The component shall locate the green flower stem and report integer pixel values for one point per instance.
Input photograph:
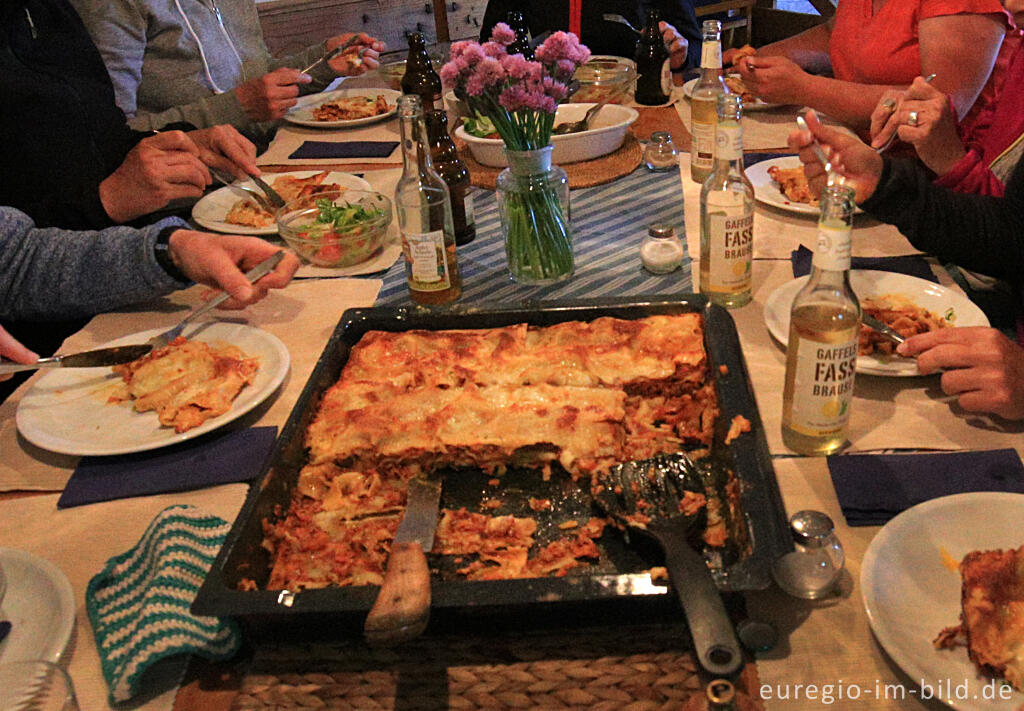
(539, 245)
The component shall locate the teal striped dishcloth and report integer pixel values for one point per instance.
(139, 603)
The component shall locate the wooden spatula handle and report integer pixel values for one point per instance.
(402, 609)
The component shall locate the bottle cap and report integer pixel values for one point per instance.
(661, 231)
(811, 528)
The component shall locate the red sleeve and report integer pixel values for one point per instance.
(940, 8)
(970, 175)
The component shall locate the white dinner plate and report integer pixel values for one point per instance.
(756, 105)
(866, 283)
(910, 594)
(302, 113)
(39, 604)
(767, 190)
(67, 410)
(213, 207)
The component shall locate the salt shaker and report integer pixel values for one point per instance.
(661, 251)
(810, 571)
(660, 153)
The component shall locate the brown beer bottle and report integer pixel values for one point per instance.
(521, 45)
(654, 80)
(420, 78)
(451, 168)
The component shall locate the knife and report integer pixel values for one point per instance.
(887, 331)
(86, 359)
(402, 609)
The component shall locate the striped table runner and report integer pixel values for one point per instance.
(608, 223)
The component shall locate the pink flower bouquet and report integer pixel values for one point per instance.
(519, 96)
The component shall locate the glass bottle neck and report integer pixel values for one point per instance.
(711, 56)
(415, 151)
(729, 146)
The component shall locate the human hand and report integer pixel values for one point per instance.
(773, 78)
(984, 368)
(268, 98)
(223, 147)
(220, 260)
(934, 137)
(676, 43)
(12, 350)
(361, 57)
(861, 166)
(157, 170)
(733, 55)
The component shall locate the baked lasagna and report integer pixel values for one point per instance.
(906, 318)
(577, 396)
(793, 184)
(186, 382)
(350, 108)
(992, 615)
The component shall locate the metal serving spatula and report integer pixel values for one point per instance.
(646, 496)
(402, 609)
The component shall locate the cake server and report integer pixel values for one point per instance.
(86, 359)
(402, 609)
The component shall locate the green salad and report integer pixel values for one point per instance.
(480, 126)
(338, 233)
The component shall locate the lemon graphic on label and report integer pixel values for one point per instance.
(740, 268)
(831, 408)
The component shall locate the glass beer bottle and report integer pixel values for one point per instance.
(420, 78)
(821, 354)
(424, 215)
(727, 214)
(703, 102)
(654, 74)
(521, 45)
(452, 170)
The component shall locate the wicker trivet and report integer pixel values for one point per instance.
(636, 668)
(581, 175)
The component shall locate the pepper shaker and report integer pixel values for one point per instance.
(660, 153)
(812, 569)
(661, 250)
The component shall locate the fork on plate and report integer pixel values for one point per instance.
(253, 275)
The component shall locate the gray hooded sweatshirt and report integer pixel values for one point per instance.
(178, 60)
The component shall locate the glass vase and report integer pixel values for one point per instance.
(533, 203)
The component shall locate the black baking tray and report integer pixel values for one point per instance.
(616, 588)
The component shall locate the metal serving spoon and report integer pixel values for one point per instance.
(581, 125)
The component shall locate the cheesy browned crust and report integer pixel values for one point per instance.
(348, 108)
(793, 184)
(186, 382)
(584, 395)
(992, 615)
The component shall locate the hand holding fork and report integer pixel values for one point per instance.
(891, 105)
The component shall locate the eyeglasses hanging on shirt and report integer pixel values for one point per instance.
(212, 6)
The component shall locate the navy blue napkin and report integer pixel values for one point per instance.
(912, 264)
(344, 149)
(872, 488)
(236, 456)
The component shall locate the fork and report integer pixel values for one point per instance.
(612, 17)
(328, 56)
(819, 152)
(253, 275)
(892, 138)
(259, 197)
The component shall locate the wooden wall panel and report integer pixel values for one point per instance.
(290, 25)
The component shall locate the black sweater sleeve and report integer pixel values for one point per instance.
(978, 232)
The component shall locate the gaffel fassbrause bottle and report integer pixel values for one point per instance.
(424, 215)
(727, 214)
(704, 102)
(821, 354)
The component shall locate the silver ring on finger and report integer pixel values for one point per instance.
(912, 118)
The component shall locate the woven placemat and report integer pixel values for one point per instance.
(637, 668)
(581, 175)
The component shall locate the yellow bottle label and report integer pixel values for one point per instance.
(823, 386)
(731, 241)
(426, 261)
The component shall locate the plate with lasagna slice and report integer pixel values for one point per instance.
(218, 372)
(780, 182)
(735, 85)
(908, 304)
(943, 587)
(344, 108)
(234, 212)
